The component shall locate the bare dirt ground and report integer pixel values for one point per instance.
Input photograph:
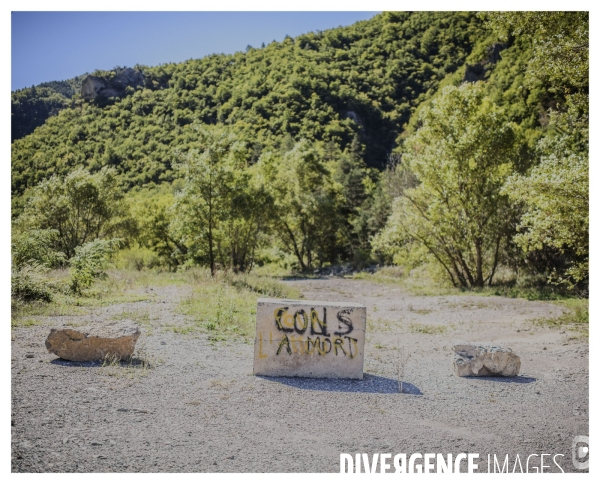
(200, 409)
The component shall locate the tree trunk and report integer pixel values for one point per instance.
(479, 262)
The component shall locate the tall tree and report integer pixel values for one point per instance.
(223, 205)
(555, 194)
(305, 205)
(462, 154)
(208, 172)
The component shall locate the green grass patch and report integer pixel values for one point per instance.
(418, 281)
(118, 287)
(576, 318)
(225, 305)
(25, 322)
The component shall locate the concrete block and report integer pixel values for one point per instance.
(314, 339)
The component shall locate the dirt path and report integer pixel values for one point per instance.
(201, 409)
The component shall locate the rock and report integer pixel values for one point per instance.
(313, 339)
(480, 360)
(128, 77)
(93, 87)
(95, 342)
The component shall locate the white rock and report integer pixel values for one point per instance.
(485, 360)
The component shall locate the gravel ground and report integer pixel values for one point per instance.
(200, 409)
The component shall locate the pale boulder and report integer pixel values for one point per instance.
(485, 360)
(313, 339)
(94, 343)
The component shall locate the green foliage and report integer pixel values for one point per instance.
(80, 208)
(304, 192)
(560, 41)
(35, 247)
(238, 190)
(151, 208)
(90, 261)
(365, 80)
(29, 283)
(31, 107)
(555, 194)
(137, 258)
(462, 154)
(222, 206)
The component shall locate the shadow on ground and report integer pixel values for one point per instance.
(369, 384)
(504, 379)
(133, 363)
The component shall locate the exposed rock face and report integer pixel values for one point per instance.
(94, 86)
(479, 360)
(94, 343)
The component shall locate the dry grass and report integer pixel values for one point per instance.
(428, 328)
(135, 367)
(402, 357)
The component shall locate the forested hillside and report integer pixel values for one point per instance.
(365, 79)
(30, 107)
(438, 139)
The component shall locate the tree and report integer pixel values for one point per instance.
(208, 173)
(462, 154)
(556, 198)
(223, 205)
(555, 194)
(81, 207)
(305, 206)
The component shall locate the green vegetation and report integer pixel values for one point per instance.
(31, 107)
(575, 318)
(365, 80)
(428, 329)
(79, 208)
(462, 154)
(555, 193)
(226, 305)
(89, 263)
(451, 145)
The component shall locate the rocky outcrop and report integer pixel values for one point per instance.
(480, 360)
(94, 87)
(94, 343)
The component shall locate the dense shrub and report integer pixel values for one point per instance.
(89, 263)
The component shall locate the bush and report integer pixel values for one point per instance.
(36, 247)
(28, 283)
(80, 207)
(137, 259)
(90, 261)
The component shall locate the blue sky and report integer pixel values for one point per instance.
(49, 46)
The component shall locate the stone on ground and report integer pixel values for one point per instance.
(93, 343)
(482, 360)
(313, 339)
